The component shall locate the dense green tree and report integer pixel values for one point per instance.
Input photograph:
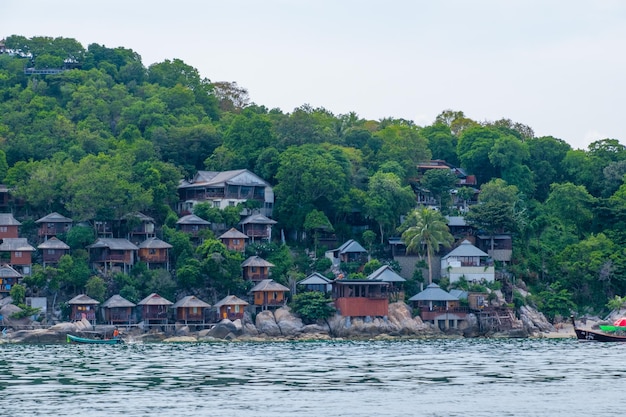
(96, 288)
(440, 183)
(312, 306)
(572, 205)
(386, 200)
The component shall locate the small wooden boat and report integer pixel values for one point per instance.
(77, 339)
(592, 336)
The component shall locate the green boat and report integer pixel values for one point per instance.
(612, 328)
(77, 339)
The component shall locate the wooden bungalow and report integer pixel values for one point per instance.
(192, 224)
(52, 225)
(256, 269)
(83, 307)
(8, 278)
(18, 253)
(154, 309)
(230, 307)
(118, 310)
(190, 309)
(138, 227)
(154, 252)
(234, 240)
(439, 307)
(316, 282)
(269, 294)
(396, 282)
(8, 226)
(52, 250)
(109, 254)
(257, 227)
(361, 297)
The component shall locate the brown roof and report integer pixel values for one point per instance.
(53, 243)
(154, 299)
(191, 301)
(54, 218)
(257, 219)
(191, 219)
(230, 300)
(154, 243)
(83, 299)
(117, 301)
(15, 244)
(256, 261)
(233, 234)
(7, 219)
(6, 271)
(113, 244)
(269, 285)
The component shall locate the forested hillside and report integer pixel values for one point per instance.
(108, 136)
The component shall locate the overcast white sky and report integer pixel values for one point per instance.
(557, 66)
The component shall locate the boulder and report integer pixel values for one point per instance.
(221, 329)
(289, 324)
(250, 329)
(266, 323)
(37, 336)
(534, 320)
(238, 326)
(402, 320)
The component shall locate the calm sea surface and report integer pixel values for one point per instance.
(474, 377)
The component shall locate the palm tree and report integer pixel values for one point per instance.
(427, 229)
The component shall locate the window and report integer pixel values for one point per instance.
(4, 229)
(50, 251)
(237, 308)
(216, 204)
(18, 254)
(152, 251)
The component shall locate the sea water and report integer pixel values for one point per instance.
(447, 377)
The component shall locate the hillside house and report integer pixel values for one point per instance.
(230, 307)
(154, 309)
(257, 227)
(439, 307)
(8, 278)
(269, 294)
(118, 310)
(83, 307)
(8, 226)
(233, 239)
(224, 189)
(192, 225)
(18, 253)
(256, 269)
(112, 254)
(467, 261)
(52, 250)
(155, 253)
(53, 225)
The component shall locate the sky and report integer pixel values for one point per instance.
(557, 66)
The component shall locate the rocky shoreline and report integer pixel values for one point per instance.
(283, 325)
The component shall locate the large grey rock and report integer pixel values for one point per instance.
(37, 336)
(534, 320)
(222, 329)
(250, 329)
(402, 320)
(266, 323)
(289, 324)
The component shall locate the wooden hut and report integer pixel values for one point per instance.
(257, 227)
(154, 309)
(192, 224)
(139, 227)
(8, 226)
(53, 224)
(155, 252)
(190, 309)
(109, 254)
(8, 278)
(83, 307)
(256, 269)
(234, 240)
(18, 253)
(269, 293)
(52, 250)
(118, 310)
(230, 307)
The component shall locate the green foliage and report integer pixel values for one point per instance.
(96, 288)
(616, 303)
(555, 301)
(18, 294)
(312, 306)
